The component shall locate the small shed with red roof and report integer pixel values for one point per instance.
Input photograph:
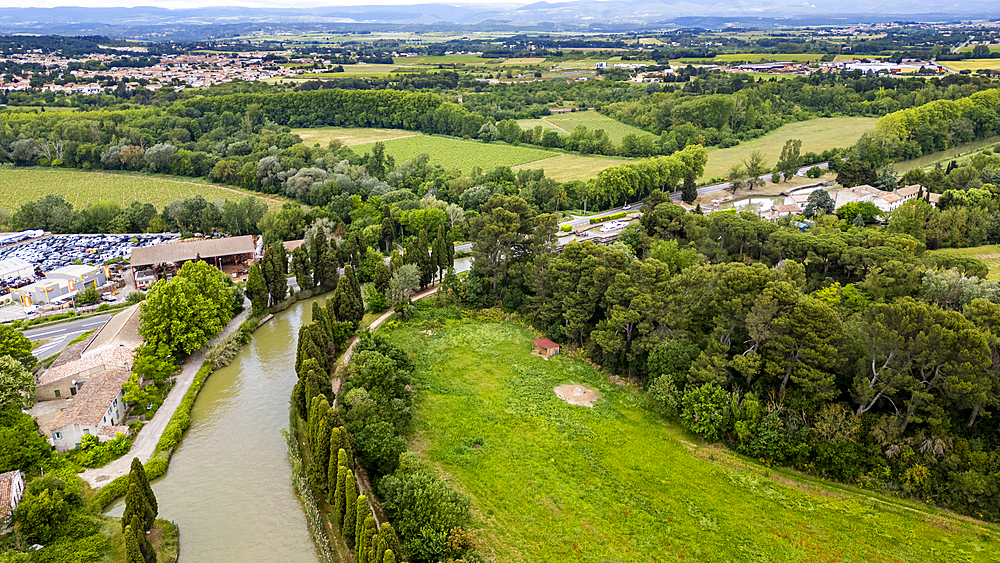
(544, 347)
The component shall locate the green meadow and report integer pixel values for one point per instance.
(554, 482)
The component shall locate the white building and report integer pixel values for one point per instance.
(97, 410)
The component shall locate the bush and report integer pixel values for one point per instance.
(814, 172)
(664, 395)
(565, 228)
(619, 215)
(704, 411)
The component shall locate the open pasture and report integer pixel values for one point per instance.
(989, 254)
(817, 135)
(555, 482)
(568, 166)
(458, 154)
(82, 188)
(350, 135)
(565, 123)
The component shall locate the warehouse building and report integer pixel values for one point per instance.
(232, 255)
(16, 268)
(60, 285)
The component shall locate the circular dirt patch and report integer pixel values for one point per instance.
(577, 395)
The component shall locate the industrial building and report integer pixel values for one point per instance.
(61, 284)
(232, 255)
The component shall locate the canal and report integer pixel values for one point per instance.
(228, 485)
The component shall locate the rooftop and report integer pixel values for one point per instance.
(189, 250)
(121, 331)
(117, 357)
(92, 402)
(544, 343)
(12, 266)
(78, 270)
(6, 490)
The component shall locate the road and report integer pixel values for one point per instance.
(726, 185)
(62, 334)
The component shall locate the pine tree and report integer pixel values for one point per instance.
(381, 546)
(350, 510)
(389, 557)
(439, 253)
(363, 511)
(423, 260)
(302, 268)
(132, 552)
(317, 246)
(859, 221)
(327, 274)
(354, 285)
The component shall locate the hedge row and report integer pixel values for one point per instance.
(157, 465)
(619, 215)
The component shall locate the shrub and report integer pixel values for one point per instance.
(704, 411)
(565, 228)
(665, 396)
(814, 172)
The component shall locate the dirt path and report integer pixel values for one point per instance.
(149, 436)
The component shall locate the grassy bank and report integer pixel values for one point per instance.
(558, 482)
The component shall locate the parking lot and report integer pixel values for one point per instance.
(56, 251)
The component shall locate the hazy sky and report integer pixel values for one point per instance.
(173, 4)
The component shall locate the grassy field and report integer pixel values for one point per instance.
(565, 123)
(457, 154)
(82, 188)
(565, 167)
(960, 153)
(350, 135)
(973, 64)
(553, 482)
(816, 134)
(990, 254)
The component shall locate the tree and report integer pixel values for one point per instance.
(256, 290)
(137, 473)
(302, 268)
(404, 281)
(15, 344)
(363, 511)
(17, 385)
(381, 277)
(275, 270)
(855, 173)
(819, 203)
(690, 192)
(755, 169)
(350, 506)
(704, 411)
(788, 164)
(137, 506)
(738, 178)
(179, 316)
(132, 552)
(338, 494)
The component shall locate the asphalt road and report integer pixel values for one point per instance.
(61, 334)
(726, 185)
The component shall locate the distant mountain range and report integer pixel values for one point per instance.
(576, 15)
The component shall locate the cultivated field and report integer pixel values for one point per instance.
(973, 64)
(82, 188)
(565, 123)
(350, 135)
(554, 482)
(754, 58)
(566, 166)
(816, 134)
(457, 154)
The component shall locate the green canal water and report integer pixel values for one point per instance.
(228, 486)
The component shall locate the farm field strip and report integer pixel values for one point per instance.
(350, 135)
(21, 185)
(816, 134)
(565, 123)
(458, 154)
(554, 482)
(973, 64)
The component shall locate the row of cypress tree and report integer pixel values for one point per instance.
(140, 513)
(331, 467)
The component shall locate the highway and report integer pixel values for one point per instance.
(61, 334)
